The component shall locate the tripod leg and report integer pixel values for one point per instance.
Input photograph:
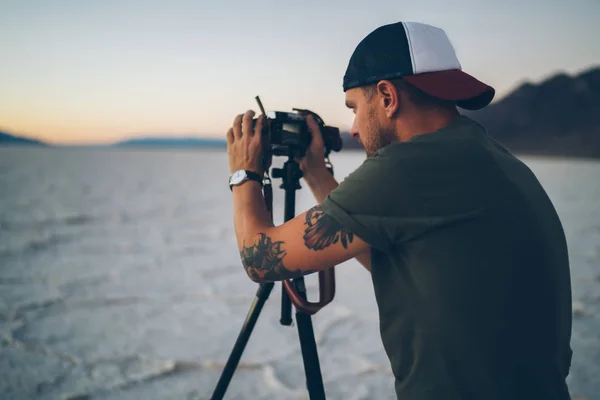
(308, 345)
(262, 294)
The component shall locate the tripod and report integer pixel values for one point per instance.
(295, 292)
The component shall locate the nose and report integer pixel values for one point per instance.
(354, 130)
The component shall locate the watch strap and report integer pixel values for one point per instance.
(252, 176)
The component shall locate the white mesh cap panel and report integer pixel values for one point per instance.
(430, 48)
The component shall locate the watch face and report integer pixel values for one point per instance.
(238, 177)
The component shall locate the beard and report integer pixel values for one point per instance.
(376, 137)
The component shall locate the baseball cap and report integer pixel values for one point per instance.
(423, 56)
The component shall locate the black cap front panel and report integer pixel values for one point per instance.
(383, 54)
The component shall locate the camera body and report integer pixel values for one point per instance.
(287, 134)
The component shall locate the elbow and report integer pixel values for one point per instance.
(252, 274)
(255, 276)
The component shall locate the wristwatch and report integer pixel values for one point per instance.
(240, 176)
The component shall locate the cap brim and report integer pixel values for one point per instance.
(454, 85)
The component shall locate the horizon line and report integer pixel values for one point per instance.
(343, 128)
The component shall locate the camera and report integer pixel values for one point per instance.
(287, 133)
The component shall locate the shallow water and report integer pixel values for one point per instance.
(120, 279)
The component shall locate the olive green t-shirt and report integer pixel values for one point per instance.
(469, 265)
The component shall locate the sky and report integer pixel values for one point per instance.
(98, 71)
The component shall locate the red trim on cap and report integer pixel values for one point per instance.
(454, 85)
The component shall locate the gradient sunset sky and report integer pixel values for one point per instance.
(96, 71)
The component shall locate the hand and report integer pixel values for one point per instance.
(244, 144)
(314, 160)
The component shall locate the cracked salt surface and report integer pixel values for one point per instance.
(119, 279)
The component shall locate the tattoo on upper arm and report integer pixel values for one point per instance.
(323, 231)
(263, 260)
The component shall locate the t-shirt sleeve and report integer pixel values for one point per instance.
(362, 201)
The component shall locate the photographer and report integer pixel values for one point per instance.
(467, 255)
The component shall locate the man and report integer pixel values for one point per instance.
(467, 254)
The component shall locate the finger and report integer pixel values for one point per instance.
(256, 140)
(259, 126)
(247, 124)
(314, 130)
(229, 136)
(237, 127)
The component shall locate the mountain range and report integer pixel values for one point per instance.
(559, 116)
(172, 142)
(8, 139)
(140, 142)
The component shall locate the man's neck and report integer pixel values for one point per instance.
(422, 122)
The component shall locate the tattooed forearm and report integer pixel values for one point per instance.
(323, 231)
(263, 260)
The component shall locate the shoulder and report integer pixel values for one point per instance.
(461, 142)
(373, 176)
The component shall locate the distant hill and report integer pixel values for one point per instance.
(349, 143)
(560, 116)
(8, 139)
(172, 142)
(141, 142)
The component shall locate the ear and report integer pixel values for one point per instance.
(390, 97)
